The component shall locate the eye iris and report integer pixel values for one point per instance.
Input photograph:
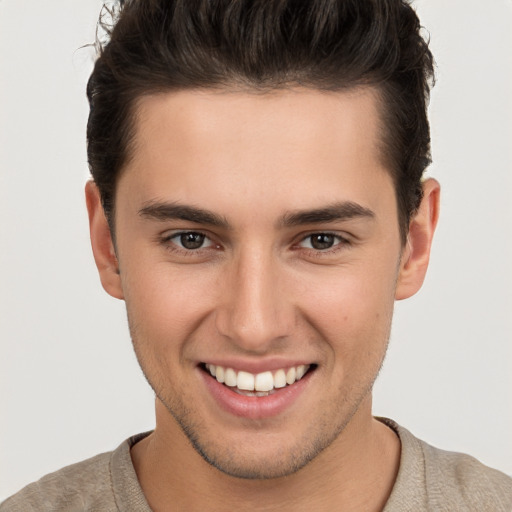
(192, 240)
(322, 241)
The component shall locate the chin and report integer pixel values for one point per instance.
(259, 455)
(257, 466)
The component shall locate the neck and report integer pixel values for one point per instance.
(356, 472)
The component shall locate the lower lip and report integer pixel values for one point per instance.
(255, 407)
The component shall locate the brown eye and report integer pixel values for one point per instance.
(322, 241)
(189, 244)
(191, 240)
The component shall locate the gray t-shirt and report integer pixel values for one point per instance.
(429, 479)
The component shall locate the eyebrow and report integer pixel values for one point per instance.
(172, 211)
(345, 210)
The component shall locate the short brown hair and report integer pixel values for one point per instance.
(331, 45)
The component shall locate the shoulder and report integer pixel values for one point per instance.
(83, 486)
(435, 479)
(462, 479)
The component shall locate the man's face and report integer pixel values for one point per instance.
(259, 233)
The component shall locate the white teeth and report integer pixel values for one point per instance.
(230, 377)
(290, 375)
(280, 379)
(301, 370)
(260, 383)
(264, 381)
(220, 374)
(245, 381)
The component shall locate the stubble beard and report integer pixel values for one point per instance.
(232, 460)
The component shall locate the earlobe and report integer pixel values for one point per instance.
(416, 252)
(102, 244)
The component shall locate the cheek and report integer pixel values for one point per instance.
(352, 311)
(166, 304)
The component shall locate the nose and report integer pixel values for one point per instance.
(254, 312)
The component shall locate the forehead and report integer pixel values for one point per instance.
(288, 117)
(278, 149)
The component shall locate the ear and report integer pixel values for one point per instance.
(102, 244)
(416, 253)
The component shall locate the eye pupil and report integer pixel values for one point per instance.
(192, 240)
(322, 241)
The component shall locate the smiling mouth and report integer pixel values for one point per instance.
(260, 384)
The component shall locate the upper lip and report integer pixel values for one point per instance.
(257, 366)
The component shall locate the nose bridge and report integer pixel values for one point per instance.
(255, 312)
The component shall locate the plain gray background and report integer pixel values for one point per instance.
(70, 386)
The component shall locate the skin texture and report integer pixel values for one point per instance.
(258, 293)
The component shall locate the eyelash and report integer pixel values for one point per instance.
(172, 246)
(340, 243)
